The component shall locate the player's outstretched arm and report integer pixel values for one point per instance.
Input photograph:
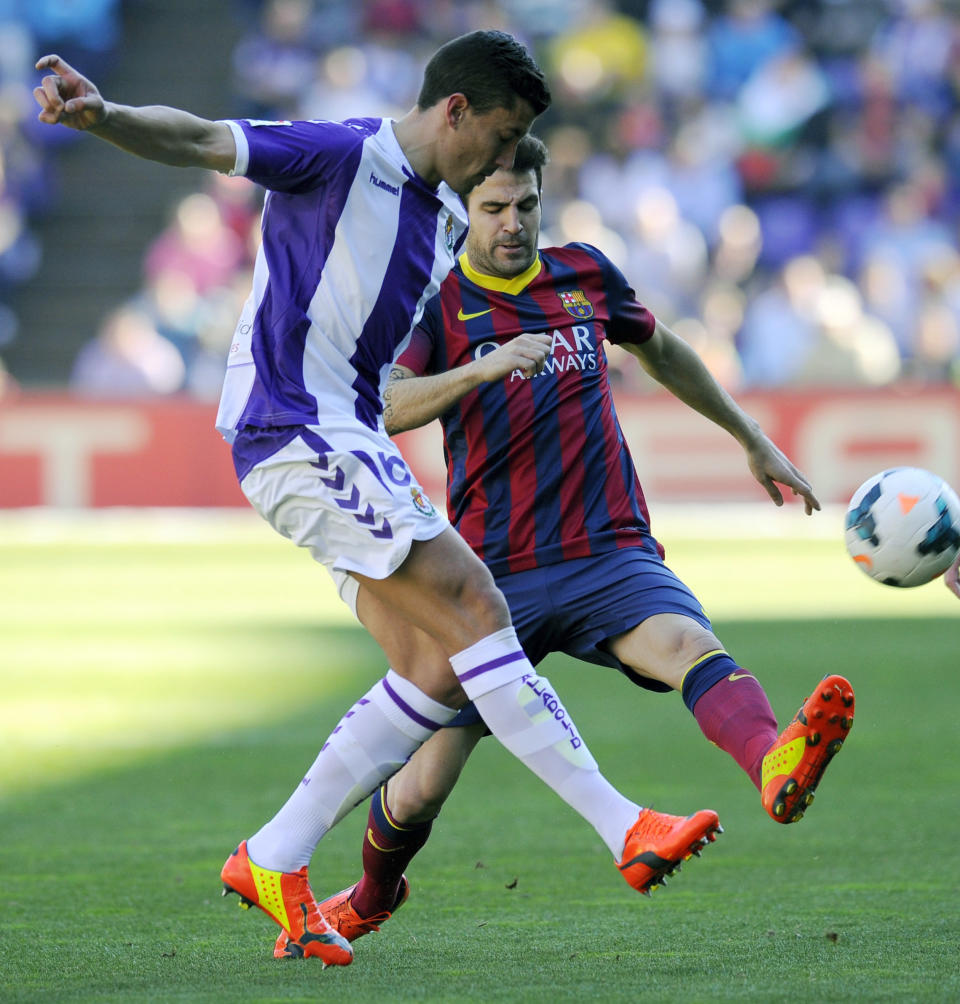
(167, 135)
(674, 364)
(951, 578)
(410, 401)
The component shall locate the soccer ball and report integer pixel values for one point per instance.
(903, 526)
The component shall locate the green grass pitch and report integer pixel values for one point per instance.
(165, 681)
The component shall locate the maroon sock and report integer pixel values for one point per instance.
(736, 715)
(388, 848)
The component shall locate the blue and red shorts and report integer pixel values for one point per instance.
(576, 606)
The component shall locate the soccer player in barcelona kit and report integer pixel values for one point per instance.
(542, 486)
(361, 224)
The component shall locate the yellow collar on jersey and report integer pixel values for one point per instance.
(510, 286)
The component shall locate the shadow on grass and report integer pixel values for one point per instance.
(111, 888)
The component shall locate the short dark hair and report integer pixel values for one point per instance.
(490, 68)
(531, 155)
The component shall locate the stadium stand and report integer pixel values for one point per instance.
(779, 180)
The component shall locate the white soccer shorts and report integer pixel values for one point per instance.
(347, 495)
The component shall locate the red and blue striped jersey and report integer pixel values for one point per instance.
(537, 469)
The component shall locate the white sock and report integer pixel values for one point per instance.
(372, 742)
(523, 711)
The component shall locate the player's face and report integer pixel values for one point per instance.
(504, 224)
(481, 142)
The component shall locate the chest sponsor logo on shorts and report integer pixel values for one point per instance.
(576, 304)
(423, 504)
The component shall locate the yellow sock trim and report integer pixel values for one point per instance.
(703, 658)
(388, 815)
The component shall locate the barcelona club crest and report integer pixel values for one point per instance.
(576, 304)
(422, 503)
(448, 233)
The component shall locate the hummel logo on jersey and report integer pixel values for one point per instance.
(380, 183)
(461, 316)
(737, 676)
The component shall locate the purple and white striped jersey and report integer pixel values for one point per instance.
(354, 245)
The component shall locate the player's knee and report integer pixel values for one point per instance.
(691, 642)
(482, 605)
(665, 646)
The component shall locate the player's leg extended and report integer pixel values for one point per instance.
(733, 711)
(369, 744)
(326, 497)
(443, 587)
(522, 710)
(398, 825)
(729, 704)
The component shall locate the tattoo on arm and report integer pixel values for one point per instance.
(396, 373)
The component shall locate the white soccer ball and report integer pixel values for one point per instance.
(903, 526)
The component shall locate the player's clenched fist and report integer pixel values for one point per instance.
(527, 353)
(67, 98)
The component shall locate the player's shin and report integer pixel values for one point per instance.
(523, 711)
(370, 743)
(731, 709)
(388, 847)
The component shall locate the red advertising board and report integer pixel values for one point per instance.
(57, 450)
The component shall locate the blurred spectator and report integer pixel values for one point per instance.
(678, 49)
(128, 358)
(598, 55)
(741, 40)
(276, 64)
(779, 325)
(198, 245)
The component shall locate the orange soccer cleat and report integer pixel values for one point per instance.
(341, 916)
(795, 763)
(286, 898)
(657, 843)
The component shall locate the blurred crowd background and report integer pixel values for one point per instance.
(779, 181)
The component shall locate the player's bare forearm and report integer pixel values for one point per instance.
(675, 365)
(410, 401)
(167, 135)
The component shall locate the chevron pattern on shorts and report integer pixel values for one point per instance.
(336, 481)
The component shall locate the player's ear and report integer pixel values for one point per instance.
(456, 109)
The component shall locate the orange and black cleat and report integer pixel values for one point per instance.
(657, 844)
(795, 763)
(339, 913)
(286, 898)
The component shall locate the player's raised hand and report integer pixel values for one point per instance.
(66, 97)
(770, 466)
(527, 353)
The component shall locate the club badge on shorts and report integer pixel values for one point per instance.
(423, 504)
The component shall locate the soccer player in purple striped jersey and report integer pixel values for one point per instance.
(542, 485)
(361, 223)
